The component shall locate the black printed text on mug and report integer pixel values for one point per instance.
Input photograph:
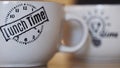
(21, 29)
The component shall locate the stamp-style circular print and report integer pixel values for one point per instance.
(24, 23)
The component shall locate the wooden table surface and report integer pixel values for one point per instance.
(63, 60)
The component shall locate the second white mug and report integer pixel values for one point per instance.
(103, 44)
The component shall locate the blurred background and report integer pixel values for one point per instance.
(67, 60)
(65, 2)
(70, 2)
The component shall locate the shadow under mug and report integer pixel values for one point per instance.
(30, 32)
(103, 44)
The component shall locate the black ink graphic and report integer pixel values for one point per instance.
(24, 23)
(97, 26)
(96, 42)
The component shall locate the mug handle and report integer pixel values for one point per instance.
(64, 48)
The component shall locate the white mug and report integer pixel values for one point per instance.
(103, 44)
(30, 32)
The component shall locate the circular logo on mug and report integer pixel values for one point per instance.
(97, 23)
(24, 23)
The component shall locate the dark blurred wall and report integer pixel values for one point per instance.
(97, 2)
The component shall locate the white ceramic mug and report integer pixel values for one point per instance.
(103, 44)
(30, 32)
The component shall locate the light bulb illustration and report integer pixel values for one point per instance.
(96, 23)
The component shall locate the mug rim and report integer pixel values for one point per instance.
(35, 1)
